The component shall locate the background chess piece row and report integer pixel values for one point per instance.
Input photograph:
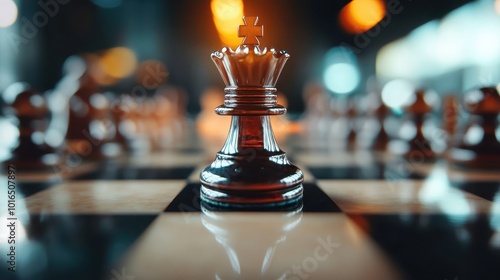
(464, 130)
(79, 118)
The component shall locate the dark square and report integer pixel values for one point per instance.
(76, 246)
(436, 246)
(30, 188)
(375, 171)
(486, 190)
(129, 172)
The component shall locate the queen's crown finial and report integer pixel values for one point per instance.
(248, 65)
(250, 32)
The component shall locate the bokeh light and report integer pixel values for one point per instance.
(360, 15)
(119, 62)
(227, 15)
(497, 6)
(341, 78)
(398, 93)
(341, 73)
(8, 13)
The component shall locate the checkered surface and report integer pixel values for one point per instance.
(364, 216)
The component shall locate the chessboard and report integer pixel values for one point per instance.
(364, 215)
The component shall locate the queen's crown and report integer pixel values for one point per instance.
(248, 65)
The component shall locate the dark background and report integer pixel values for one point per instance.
(182, 35)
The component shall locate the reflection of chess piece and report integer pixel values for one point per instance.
(251, 169)
(234, 234)
(91, 129)
(31, 111)
(415, 144)
(477, 143)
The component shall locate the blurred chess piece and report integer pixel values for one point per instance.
(121, 109)
(30, 109)
(210, 126)
(451, 106)
(163, 116)
(91, 129)
(477, 143)
(176, 101)
(373, 134)
(352, 117)
(414, 144)
(341, 123)
(316, 118)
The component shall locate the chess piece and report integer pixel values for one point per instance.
(30, 109)
(414, 144)
(477, 144)
(91, 129)
(373, 134)
(352, 119)
(341, 124)
(450, 117)
(316, 120)
(121, 109)
(250, 169)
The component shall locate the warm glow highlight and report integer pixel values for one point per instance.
(497, 6)
(119, 62)
(227, 15)
(8, 13)
(360, 15)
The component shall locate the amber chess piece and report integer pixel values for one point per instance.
(30, 109)
(250, 169)
(476, 144)
(415, 145)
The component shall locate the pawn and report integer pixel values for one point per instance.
(373, 134)
(30, 109)
(414, 144)
(476, 145)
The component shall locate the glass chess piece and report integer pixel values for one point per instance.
(251, 170)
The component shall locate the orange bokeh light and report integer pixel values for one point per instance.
(227, 15)
(360, 15)
(119, 62)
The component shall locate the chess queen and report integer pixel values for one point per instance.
(251, 170)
